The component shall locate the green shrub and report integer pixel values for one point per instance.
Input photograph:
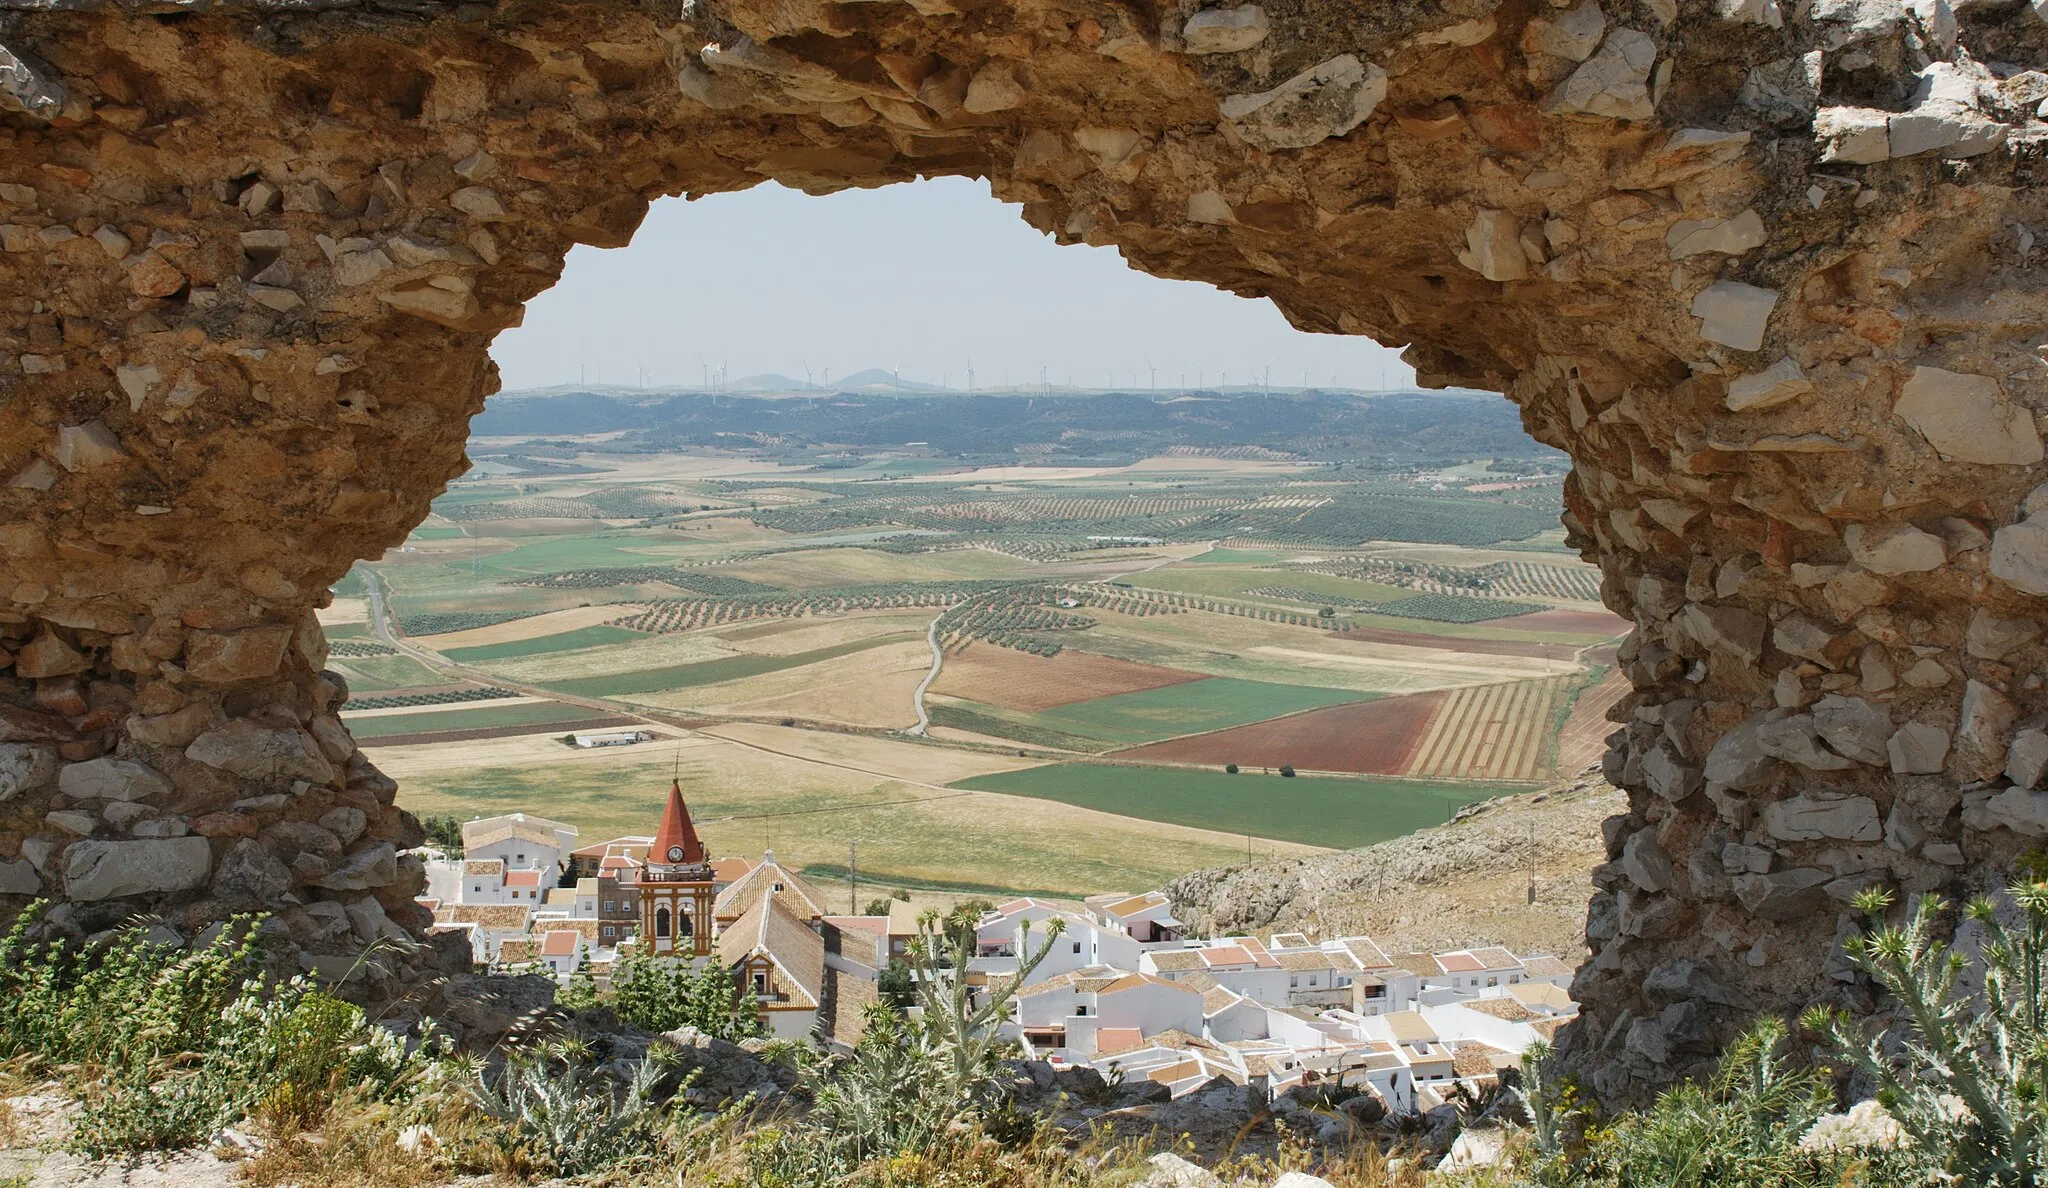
(563, 1115)
(1964, 1073)
(659, 995)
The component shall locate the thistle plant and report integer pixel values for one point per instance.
(967, 1033)
(565, 1115)
(1963, 1074)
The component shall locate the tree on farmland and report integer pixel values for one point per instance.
(1287, 770)
(1230, 768)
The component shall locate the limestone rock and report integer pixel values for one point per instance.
(2021, 810)
(113, 869)
(1814, 815)
(1493, 247)
(25, 767)
(1797, 635)
(1328, 99)
(1225, 30)
(1731, 237)
(1734, 314)
(1785, 895)
(1984, 731)
(20, 878)
(1669, 775)
(1994, 637)
(1854, 727)
(1918, 749)
(1614, 83)
(257, 752)
(111, 779)
(2026, 759)
(371, 867)
(1572, 35)
(1894, 549)
(224, 656)
(1774, 385)
(1738, 759)
(248, 877)
(2019, 552)
(1645, 862)
(345, 823)
(995, 87)
(1172, 1171)
(1853, 135)
(1795, 740)
(1966, 418)
(1726, 628)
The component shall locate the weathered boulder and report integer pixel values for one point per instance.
(1645, 862)
(249, 878)
(1785, 895)
(1967, 418)
(1328, 99)
(372, 866)
(25, 767)
(2023, 811)
(1811, 816)
(1854, 727)
(1984, 731)
(1225, 30)
(262, 753)
(114, 869)
(111, 779)
(1918, 749)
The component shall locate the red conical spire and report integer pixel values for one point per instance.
(676, 842)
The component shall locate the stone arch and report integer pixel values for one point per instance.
(661, 922)
(1765, 270)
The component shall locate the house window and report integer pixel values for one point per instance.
(609, 905)
(778, 886)
(1293, 981)
(1493, 981)
(661, 923)
(1312, 978)
(519, 858)
(760, 983)
(1081, 1009)
(609, 931)
(1077, 946)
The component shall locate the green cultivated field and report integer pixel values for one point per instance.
(531, 714)
(712, 672)
(376, 673)
(1314, 810)
(567, 641)
(1193, 708)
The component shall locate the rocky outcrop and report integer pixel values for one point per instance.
(1768, 272)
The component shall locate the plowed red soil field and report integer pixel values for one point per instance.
(1584, 737)
(1018, 680)
(1367, 737)
(1458, 643)
(1578, 622)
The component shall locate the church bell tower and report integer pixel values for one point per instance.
(675, 887)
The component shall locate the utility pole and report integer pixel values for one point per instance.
(852, 878)
(1532, 863)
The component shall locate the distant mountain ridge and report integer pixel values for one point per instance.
(1044, 428)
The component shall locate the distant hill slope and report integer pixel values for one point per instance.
(1465, 883)
(1409, 427)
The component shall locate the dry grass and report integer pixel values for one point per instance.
(344, 610)
(868, 688)
(791, 636)
(553, 623)
(921, 762)
(656, 651)
(747, 800)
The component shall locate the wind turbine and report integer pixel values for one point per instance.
(1155, 374)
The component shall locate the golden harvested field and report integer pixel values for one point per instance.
(349, 715)
(746, 800)
(867, 688)
(787, 637)
(817, 568)
(656, 651)
(1493, 732)
(1018, 680)
(532, 627)
(919, 762)
(1235, 646)
(344, 610)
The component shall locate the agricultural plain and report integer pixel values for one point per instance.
(1108, 640)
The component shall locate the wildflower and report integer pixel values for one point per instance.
(418, 1140)
(1867, 1125)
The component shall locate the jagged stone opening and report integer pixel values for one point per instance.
(1765, 271)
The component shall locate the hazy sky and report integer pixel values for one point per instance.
(923, 277)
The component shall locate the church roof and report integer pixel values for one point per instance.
(676, 831)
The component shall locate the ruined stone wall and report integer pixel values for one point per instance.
(1766, 268)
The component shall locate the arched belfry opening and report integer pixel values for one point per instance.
(1766, 271)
